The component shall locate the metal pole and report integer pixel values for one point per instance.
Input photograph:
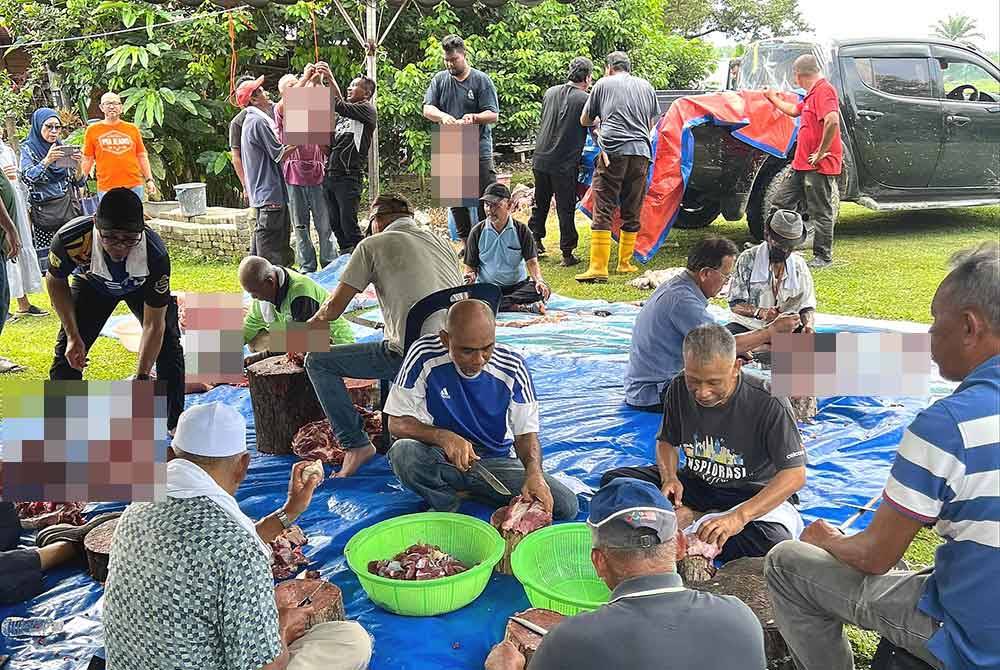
(371, 57)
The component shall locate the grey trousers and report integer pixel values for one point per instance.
(814, 595)
(817, 191)
(303, 200)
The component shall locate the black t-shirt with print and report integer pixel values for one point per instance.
(70, 253)
(739, 445)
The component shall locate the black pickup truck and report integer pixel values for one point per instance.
(920, 124)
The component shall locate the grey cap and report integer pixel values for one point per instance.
(787, 227)
(619, 60)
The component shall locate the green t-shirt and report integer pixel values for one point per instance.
(299, 297)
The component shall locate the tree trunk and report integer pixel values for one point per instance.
(97, 545)
(525, 640)
(744, 578)
(283, 401)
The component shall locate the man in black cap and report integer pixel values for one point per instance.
(772, 279)
(114, 256)
(651, 620)
(557, 157)
(501, 251)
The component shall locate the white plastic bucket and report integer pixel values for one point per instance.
(192, 198)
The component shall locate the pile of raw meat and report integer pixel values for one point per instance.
(41, 514)
(296, 357)
(287, 552)
(417, 563)
(522, 516)
(316, 441)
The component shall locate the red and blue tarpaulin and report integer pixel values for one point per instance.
(752, 120)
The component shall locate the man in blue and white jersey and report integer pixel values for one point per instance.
(461, 398)
(946, 473)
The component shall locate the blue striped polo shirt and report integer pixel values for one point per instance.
(488, 410)
(947, 472)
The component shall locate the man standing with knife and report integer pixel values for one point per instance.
(460, 404)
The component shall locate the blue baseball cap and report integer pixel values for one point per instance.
(630, 513)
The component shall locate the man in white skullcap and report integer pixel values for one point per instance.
(190, 577)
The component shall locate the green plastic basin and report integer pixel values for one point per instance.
(553, 564)
(474, 542)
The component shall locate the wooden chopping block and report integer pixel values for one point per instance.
(326, 605)
(283, 401)
(744, 578)
(97, 545)
(525, 640)
(694, 569)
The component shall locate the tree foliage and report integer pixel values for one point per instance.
(175, 80)
(958, 28)
(738, 19)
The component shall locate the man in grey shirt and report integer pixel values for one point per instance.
(262, 154)
(625, 108)
(651, 620)
(405, 262)
(463, 95)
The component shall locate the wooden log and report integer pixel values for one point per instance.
(326, 600)
(525, 640)
(693, 569)
(97, 545)
(804, 407)
(283, 401)
(744, 578)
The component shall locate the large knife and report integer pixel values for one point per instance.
(488, 477)
(533, 627)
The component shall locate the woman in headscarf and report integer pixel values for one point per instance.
(24, 276)
(52, 201)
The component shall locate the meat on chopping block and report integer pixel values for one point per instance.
(525, 640)
(287, 556)
(520, 517)
(34, 515)
(744, 578)
(325, 601)
(283, 401)
(697, 565)
(97, 545)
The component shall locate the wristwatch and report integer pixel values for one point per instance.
(283, 518)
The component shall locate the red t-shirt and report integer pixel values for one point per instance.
(819, 101)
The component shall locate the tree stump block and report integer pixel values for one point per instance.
(283, 401)
(525, 640)
(744, 579)
(326, 601)
(694, 569)
(97, 545)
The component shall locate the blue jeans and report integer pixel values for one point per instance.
(326, 370)
(301, 201)
(425, 470)
(138, 190)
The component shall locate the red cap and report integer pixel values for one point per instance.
(246, 90)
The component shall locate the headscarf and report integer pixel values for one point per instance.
(35, 140)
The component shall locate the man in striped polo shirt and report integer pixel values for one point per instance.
(946, 473)
(461, 398)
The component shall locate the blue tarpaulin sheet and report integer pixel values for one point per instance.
(578, 365)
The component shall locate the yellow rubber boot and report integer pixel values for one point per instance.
(600, 254)
(626, 245)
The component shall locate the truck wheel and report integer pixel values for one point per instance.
(697, 214)
(759, 205)
(770, 192)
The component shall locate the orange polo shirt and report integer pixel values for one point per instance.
(116, 149)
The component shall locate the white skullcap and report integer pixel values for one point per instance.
(213, 430)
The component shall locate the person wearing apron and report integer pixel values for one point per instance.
(650, 620)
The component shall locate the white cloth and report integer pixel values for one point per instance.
(761, 273)
(334, 645)
(785, 514)
(24, 276)
(188, 480)
(136, 263)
